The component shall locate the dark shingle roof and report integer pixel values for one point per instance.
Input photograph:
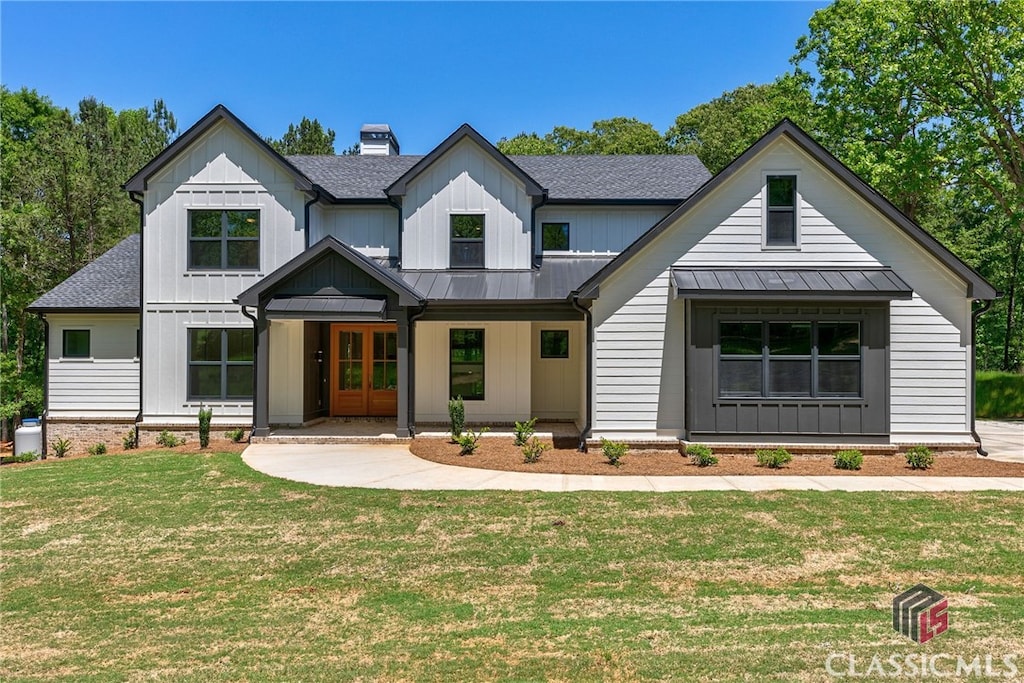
(665, 177)
(111, 282)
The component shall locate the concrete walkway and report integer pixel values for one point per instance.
(394, 467)
(1003, 439)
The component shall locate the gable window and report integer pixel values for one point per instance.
(467, 364)
(554, 343)
(220, 363)
(76, 344)
(554, 236)
(780, 228)
(223, 240)
(467, 234)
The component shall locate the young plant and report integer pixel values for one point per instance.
(97, 448)
(131, 439)
(235, 434)
(26, 456)
(168, 440)
(205, 416)
(920, 457)
(614, 451)
(61, 448)
(533, 449)
(701, 455)
(469, 440)
(848, 460)
(525, 430)
(773, 458)
(457, 415)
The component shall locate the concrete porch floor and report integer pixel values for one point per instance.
(338, 430)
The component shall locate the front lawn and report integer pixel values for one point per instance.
(170, 566)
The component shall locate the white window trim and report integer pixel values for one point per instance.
(78, 359)
(448, 234)
(798, 201)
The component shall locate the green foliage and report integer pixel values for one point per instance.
(457, 416)
(168, 440)
(205, 416)
(131, 439)
(614, 451)
(619, 135)
(850, 459)
(235, 434)
(773, 458)
(26, 456)
(309, 137)
(469, 440)
(919, 457)
(61, 448)
(533, 449)
(524, 430)
(97, 448)
(701, 455)
(999, 394)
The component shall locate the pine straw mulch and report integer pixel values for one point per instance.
(497, 453)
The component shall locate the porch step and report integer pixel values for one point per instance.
(313, 439)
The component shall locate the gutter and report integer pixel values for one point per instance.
(305, 212)
(411, 416)
(534, 255)
(46, 379)
(974, 363)
(136, 197)
(255, 375)
(588, 317)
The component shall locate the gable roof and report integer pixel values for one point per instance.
(977, 286)
(108, 284)
(137, 183)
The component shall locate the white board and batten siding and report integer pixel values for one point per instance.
(371, 230)
(929, 335)
(106, 384)
(600, 230)
(466, 180)
(221, 170)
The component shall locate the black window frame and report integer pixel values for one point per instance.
(793, 240)
(64, 352)
(224, 239)
(457, 243)
(223, 363)
(453, 364)
(544, 350)
(544, 233)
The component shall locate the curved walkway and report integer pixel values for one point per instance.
(394, 467)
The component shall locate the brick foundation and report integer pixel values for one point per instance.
(86, 432)
(149, 433)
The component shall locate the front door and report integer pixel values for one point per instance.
(364, 370)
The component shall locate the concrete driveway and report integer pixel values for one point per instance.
(1003, 439)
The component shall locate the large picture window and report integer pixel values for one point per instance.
(467, 236)
(789, 359)
(223, 240)
(467, 364)
(220, 363)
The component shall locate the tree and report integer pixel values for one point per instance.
(309, 137)
(619, 135)
(527, 144)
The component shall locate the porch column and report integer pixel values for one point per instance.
(404, 385)
(261, 377)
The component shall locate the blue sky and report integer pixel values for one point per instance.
(424, 68)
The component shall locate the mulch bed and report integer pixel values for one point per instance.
(501, 454)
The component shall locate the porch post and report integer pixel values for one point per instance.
(404, 385)
(261, 388)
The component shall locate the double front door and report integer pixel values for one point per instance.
(364, 370)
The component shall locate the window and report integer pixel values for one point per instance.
(554, 343)
(76, 344)
(554, 236)
(796, 359)
(467, 364)
(467, 241)
(223, 240)
(385, 361)
(220, 363)
(781, 214)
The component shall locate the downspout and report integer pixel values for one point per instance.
(534, 252)
(411, 416)
(137, 199)
(305, 212)
(46, 378)
(974, 362)
(255, 345)
(401, 229)
(588, 317)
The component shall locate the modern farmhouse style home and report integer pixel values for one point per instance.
(636, 297)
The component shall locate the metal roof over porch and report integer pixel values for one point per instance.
(770, 283)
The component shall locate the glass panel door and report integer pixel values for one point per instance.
(350, 361)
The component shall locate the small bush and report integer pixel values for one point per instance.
(773, 458)
(205, 416)
(61, 448)
(469, 440)
(920, 457)
(235, 434)
(27, 456)
(457, 415)
(168, 440)
(848, 460)
(130, 439)
(524, 430)
(701, 455)
(533, 449)
(614, 451)
(97, 448)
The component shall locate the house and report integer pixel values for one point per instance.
(781, 301)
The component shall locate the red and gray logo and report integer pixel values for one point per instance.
(920, 613)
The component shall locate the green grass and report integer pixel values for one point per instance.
(999, 394)
(168, 566)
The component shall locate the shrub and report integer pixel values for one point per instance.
(773, 458)
(235, 434)
(130, 439)
(457, 414)
(469, 440)
(205, 415)
(848, 460)
(524, 430)
(533, 449)
(61, 448)
(701, 455)
(97, 448)
(920, 457)
(168, 440)
(27, 456)
(614, 451)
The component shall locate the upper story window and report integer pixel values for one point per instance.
(467, 232)
(781, 224)
(554, 236)
(76, 344)
(223, 239)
